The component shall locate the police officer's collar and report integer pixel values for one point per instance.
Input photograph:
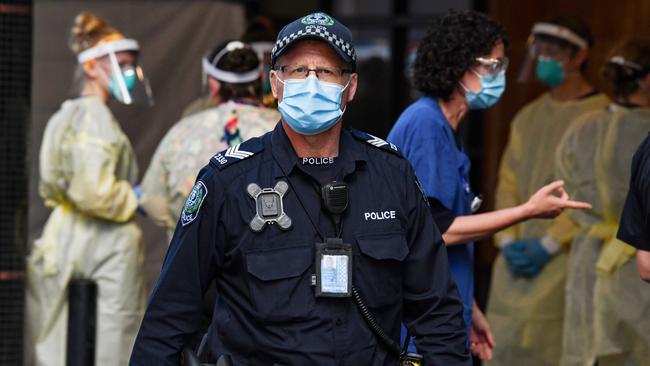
(350, 153)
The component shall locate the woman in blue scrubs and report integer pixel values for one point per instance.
(460, 65)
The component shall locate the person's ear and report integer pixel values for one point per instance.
(352, 87)
(215, 87)
(90, 69)
(579, 58)
(273, 80)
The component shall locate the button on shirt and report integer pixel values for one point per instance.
(266, 311)
(426, 139)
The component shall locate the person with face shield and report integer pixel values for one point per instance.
(260, 37)
(87, 171)
(458, 69)
(605, 300)
(233, 73)
(318, 237)
(526, 303)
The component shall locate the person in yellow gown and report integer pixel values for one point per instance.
(605, 299)
(526, 303)
(87, 171)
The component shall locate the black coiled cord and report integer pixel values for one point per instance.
(370, 319)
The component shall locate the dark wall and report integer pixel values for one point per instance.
(15, 81)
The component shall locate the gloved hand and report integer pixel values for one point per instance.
(138, 194)
(526, 257)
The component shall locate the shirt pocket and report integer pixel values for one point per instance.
(279, 287)
(379, 267)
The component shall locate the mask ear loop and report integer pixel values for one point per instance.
(347, 84)
(468, 90)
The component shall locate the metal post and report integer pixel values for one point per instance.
(82, 320)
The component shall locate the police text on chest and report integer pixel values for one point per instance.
(379, 215)
(318, 161)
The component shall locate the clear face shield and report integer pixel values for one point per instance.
(117, 64)
(546, 55)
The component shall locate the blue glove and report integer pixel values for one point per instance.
(138, 194)
(138, 191)
(526, 257)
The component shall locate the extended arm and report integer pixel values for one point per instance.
(548, 202)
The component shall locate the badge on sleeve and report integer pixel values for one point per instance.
(193, 203)
(268, 203)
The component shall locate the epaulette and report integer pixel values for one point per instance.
(237, 153)
(376, 142)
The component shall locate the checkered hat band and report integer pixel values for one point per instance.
(330, 37)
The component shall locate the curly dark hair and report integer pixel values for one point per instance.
(238, 61)
(450, 47)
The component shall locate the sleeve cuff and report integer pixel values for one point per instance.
(504, 240)
(551, 246)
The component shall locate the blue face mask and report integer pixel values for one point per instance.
(491, 90)
(130, 78)
(310, 106)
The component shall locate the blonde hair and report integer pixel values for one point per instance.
(88, 30)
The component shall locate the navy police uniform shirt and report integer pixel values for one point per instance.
(266, 311)
(634, 227)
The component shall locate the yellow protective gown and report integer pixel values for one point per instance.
(607, 305)
(526, 314)
(87, 168)
(187, 148)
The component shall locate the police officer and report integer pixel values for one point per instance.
(301, 269)
(634, 228)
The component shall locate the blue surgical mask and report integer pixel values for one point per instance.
(492, 88)
(130, 78)
(549, 71)
(310, 106)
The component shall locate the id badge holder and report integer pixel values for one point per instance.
(333, 268)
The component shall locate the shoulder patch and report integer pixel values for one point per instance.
(193, 204)
(376, 142)
(237, 153)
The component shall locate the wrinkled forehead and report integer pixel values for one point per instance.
(311, 52)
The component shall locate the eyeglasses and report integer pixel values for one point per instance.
(492, 66)
(329, 74)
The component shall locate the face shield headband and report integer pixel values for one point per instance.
(210, 68)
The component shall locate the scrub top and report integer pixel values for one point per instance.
(427, 140)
